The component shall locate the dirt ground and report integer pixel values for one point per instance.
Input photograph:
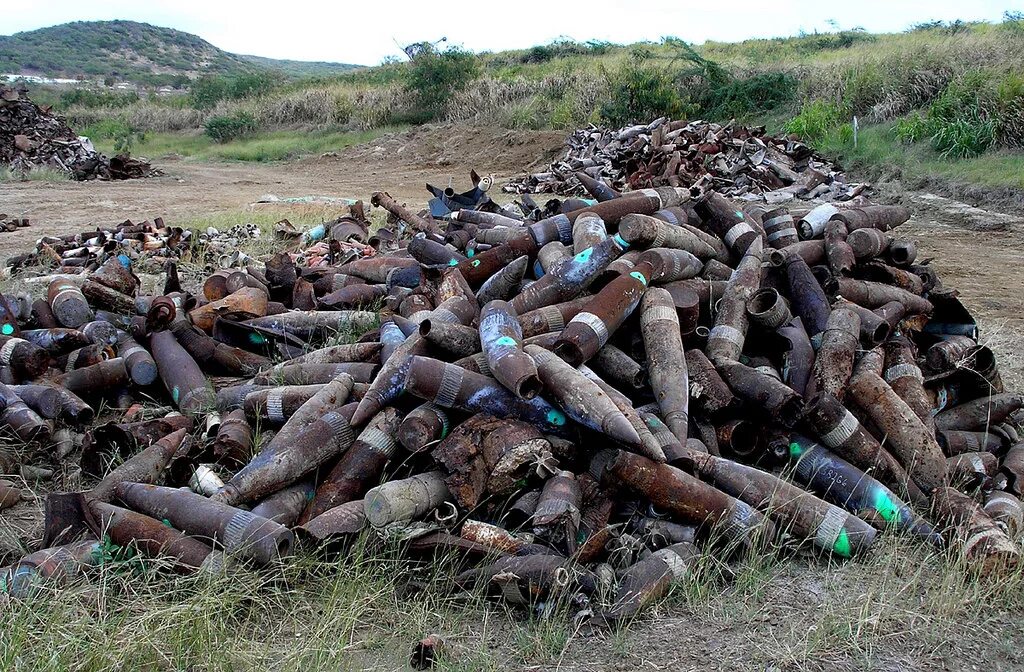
(975, 251)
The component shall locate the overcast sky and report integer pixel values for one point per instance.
(366, 32)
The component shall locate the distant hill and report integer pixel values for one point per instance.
(136, 52)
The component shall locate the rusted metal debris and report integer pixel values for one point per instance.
(733, 160)
(575, 406)
(33, 137)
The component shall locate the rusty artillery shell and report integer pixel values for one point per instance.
(618, 367)
(779, 229)
(551, 318)
(873, 329)
(316, 374)
(25, 422)
(484, 265)
(230, 398)
(716, 270)
(116, 276)
(58, 340)
(845, 485)
(590, 329)
(340, 354)
(501, 339)
(153, 538)
(390, 381)
(839, 253)
(26, 359)
(494, 537)
(43, 399)
(971, 470)
(833, 365)
(351, 297)
(949, 353)
(689, 499)
(244, 304)
(571, 277)
(377, 268)
(587, 231)
(314, 434)
(140, 364)
(881, 217)
(666, 360)
(906, 379)
(107, 298)
(902, 253)
(644, 202)
(955, 442)
(839, 430)
(671, 265)
(550, 257)
(557, 516)
(306, 324)
(1006, 510)
(359, 468)
(181, 376)
(649, 445)
(912, 443)
(233, 442)
(867, 243)
(86, 356)
(710, 393)
(23, 578)
(456, 339)
(450, 386)
(767, 309)
(490, 455)
(68, 303)
(432, 253)
(730, 223)
(581, 399)
(406, 499)
(503, 284)
(239, 532)
(286, 505)
(341, 522)
(650, 579)
(806, 296)
(596, 187)
(980, 414)
(762, 392)
(974, 533)
(382, 199)
(874, 295)
(812, 252)
(144, 467)
(100, 331)
(43, 315)
(276, 404)
(9, 495)
(423, 427)
(644, 232)
(669, 446)
(794, 510)
(725, 342)
(798, 354)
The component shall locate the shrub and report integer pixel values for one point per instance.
(749, 95)
(817, 119)
(97, 98)
(208, 91)
(640, 91)
(963, 138)
(912, 128)
(224, 128)
(436, 75)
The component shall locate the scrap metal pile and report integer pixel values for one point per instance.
(576, 408)
(143, 243)
(735, 161)
(33, 137)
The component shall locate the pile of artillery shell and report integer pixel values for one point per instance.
(575, 407)
(735, 161)
(33, 137)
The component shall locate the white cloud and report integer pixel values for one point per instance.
(366, 32)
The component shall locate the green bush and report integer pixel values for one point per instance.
(912, 128)
(817, 119)
(435, 75)
(640, 90)
(964, 137)
(749, 95)
(208, 91)
(229, 127)
(97, 98)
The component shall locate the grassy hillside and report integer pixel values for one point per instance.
(927, 99)
(137, 52)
